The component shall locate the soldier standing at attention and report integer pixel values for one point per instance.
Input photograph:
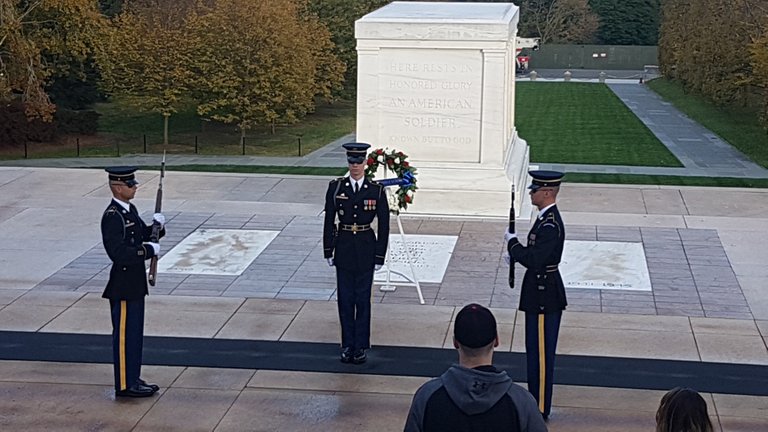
(126, 240)
(354, 249)
(543, 293)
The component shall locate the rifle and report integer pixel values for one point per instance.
(511, 279)
(156, 227)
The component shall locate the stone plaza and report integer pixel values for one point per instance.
(266, 336)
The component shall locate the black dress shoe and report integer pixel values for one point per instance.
(136, 391)
(359, 357)
(154, 387)
(346, 355)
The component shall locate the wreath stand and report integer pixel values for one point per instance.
(410, 281)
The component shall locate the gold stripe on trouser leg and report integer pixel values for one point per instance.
(370, 315)
(123, 312)
(542, 364)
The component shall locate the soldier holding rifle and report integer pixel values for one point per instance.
(543, 293)
(127, 241)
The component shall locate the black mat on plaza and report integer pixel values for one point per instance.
(386, 360)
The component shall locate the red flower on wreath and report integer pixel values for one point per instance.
(387, 158)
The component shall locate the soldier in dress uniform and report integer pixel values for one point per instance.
(543, 293)
(354, 249)
(126, 240)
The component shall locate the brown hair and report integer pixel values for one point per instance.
(683, 410)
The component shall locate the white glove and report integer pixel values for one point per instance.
(155, 246)
(509, 236)
(330, 262)
(377, 267)
(506, 258)
(159, 218)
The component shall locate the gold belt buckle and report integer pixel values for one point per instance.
(354, 228)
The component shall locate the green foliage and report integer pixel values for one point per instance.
(712, 47)
(339, 18)
(258, 62)
(111, 8)
(42, 39)
(76, 89)
(627, 22)
(13, 124)
(84, 122)
(582, 123)
(558, 21)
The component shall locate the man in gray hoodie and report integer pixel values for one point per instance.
(474, 395)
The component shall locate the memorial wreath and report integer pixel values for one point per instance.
(396, 162)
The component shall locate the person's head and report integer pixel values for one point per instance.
(356, 156)
(475, 335)
(122, 182)
(682, 410)
(545, 185)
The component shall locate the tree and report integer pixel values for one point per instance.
(558, 21)
(40, 38)
(717, 48)
(339, 18)
(147, 57)
(758, 15)
(627, 22)
(259, 62)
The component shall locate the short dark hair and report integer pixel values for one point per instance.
(475, 326)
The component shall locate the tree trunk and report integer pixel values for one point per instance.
(165, 128)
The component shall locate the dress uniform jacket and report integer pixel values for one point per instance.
(541, 258)
(355, 249)
(542, 299)
(124, 233)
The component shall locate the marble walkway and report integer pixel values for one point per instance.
(708, 305)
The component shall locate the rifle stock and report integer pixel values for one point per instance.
(511, 278)
(156, 227)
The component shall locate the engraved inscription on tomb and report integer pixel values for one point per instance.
(430, 103)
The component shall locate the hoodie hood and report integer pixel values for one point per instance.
(475, 391)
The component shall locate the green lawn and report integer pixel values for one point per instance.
(123, 125)
(738, 126)
(666, 180)
(583, 123)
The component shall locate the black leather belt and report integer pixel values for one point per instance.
(354, 227)
(552, 268)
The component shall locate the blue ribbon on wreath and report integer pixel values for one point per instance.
(404, 181)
